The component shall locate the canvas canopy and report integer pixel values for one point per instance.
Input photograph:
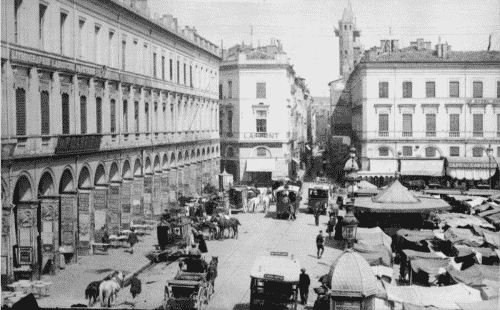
(492, 238)
(463, 236)
(373, 236)
(463, 220)
(395, 193)
(366, 185)
(276, 266)
(475, 275)
(375, 255)
(480, 305)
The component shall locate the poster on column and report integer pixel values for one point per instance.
(147, 196)
(68, 223)
(114, 208)
(137, 191)
(126, 194)
(165, 198)
(84, 202)
(157, 202)
(100, 206)
(49, 218)
(172, 180)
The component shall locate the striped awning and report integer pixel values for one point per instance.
(381, 168)
(429, 167)
(471, 168)
(261, 165)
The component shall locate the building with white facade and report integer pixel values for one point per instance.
(106, 114)
(263, 115)
(431, 113)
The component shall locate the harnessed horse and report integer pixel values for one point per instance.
(108, 290)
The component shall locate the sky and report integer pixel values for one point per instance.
(306, 27)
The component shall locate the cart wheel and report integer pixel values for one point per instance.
(208, 293)
(200, 302)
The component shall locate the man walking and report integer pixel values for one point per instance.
(320, 240)
(132, 240)
(304, 282)
(317, 212)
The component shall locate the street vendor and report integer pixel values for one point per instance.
(194, 250)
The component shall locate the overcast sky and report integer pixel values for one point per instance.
(306, 27)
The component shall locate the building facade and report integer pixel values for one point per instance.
(432, 114)
(106, 114)
(349, 46)
(321, 106)
(263, 116)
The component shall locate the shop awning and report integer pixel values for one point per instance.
(471, 168)
(429, 167)
(381, 168)
(261, 165)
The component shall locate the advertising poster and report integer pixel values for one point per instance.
(165, 198)
(84, 227)
(68, 220)
(137, 189)
(126, 194)
(84, 224)
(114, 208)
(100, 220)
(126, 220)
(172, 180)
(148, 185)
(49, 219)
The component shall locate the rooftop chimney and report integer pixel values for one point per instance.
(420, 44)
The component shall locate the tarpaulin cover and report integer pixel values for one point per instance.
(492, 238)
(413, 240)
(486, 206)
(494, 219)
(427, 296)
(490, 211)
(490, 290)
(411, 255)
(375, 255)
(373, 236)
(480, 305)
(429, 266)
(415, 235)
(407, 306)
(463, 236)
(475, 275)
(462, 220)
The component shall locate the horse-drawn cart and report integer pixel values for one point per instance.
(190, 288)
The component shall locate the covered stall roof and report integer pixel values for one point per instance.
(280, 266)
(366, 185)
(463, 220)
(463, 236)
(480, 305)
(475, 275)
(375, 255)
(470, 168)
(449, 296)
(422, 167)
(492, 238)
(373, 236)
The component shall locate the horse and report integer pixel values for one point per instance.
(92, 292)
(233, 223)
(212, 271)
(253, 202)
(108, 290)
(266, 201)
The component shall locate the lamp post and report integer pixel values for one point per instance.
(489, 151)
(350, 222)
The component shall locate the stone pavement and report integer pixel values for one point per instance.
(68, 286)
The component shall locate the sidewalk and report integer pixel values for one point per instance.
(68, 286)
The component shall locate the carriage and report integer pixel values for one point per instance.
(174, 230)
(189, 289)
(293, 194)
(318, 193)
(238, 198)
(274, 282)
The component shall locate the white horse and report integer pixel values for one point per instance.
(266, 201)
(252, 203)
(108, 290)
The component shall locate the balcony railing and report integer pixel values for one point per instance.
(268, 136)
(429, 134)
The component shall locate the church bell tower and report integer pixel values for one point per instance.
(349, 47)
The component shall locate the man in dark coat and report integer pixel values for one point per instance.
(132, 240)
(304, 282)
(135, 288)
(317, 212)
(320, 240)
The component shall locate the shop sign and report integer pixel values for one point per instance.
(68, 218)
(16, 55)
(148, 185)
(25, 255)
(470, 165)
(157, 187)
(100, 199)
(83, 203)
(274, 277)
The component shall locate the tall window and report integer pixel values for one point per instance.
(124, 56)
(146, 115)
(407, 151)
(383, 125)
(110, 47)
(136, 116)
(172, 117)
(163, 67)
(430, 125)
(221, 124)
(430, 89)
(62, 32)
(477, 120)
(220, 91)
(498, 125)
(430, 152)
(81, 35)
(454, 89)
(261, 121)
(65, 113)
(41, 24)
(184, 71)
(498, 89)
(407, 125)
(477, 89)
(229, 89)
(83, 115)
(230, 121)
(477, 152)
(97, 47)
(230, 152)
(17, 6)
(383, 89)
(165, 116)
(155, 111)
(112, 116)
(125, 116)
(454, 151)
(261, 90)
(191, 76)
(45, 112)
(178, 72)
(407, 89)
(154, 65)
(383, 151)
(454, 125)
(20, 112)
(98, 114)
(171, 69)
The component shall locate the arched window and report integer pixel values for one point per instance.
(262, 152)
(230, 152)
(45, 112)
(112, 116)
(65, 113)
(230, 121)
(430, 152)
(383, 151)
(146, 115)
(98, 114)
(20, 112)
(83, 114)
(477, 152)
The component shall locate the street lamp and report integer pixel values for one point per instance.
(350, 222)
(489, 151)
(352, 177)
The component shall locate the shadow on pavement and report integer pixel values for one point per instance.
(336, 244)
(104, 270)
(271, 215)
(241, 307)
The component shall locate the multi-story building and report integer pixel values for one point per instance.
(432, 114)
(263, 115)
(321, 106)
(106, 114)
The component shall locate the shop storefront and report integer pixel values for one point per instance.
(260, 171)
(380, 171)
(471, 172)
(426, 171)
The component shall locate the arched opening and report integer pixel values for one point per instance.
(126, 171)
(114, 176)
(179, 158)
(23, 191)
(193, 154)
(198, 153)
(186, 156)
(165, 161)
(172, 159)
(100, 175)
(137, 168)
(157, 163)
(203, 152)
(46, 185)
(147, 166)
(213, 150)
(477, 152)
(431, 152)
(217, 150)
(66, 184)
(84, 178)
(262, 152)
(208, 150)
(230, 152)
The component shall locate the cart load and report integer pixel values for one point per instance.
(287, 196)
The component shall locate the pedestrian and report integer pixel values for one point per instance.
(317, 212)
(132, 240)
(338, 228)
(202, 245)
(135, 288)
(331, 226)
(320, 240)
(304, 282)
(105, 235)
(194, 251)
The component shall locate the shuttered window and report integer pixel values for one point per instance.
(477, 152)
(477, 89)
(430, 89)
(498, 125)
(220, 91)
(125, 116)
(383, 90)
(83, 115)
(112, 115)
(146, 115)
(454, 151)
(407, 123)
(65, 113)
(230, 121)
(477, 120)
(407, 89)
(407, 151)
(498, 89)
(383, 122)
(45, 112)
(454, 89)
(98, 114)
(171, 67)
(20, 112)
(454, 122)
(383, 151)
(430, 152)
(430, 123)
(154, 65)
(162, 67)
(261, 90)
(191, 76)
